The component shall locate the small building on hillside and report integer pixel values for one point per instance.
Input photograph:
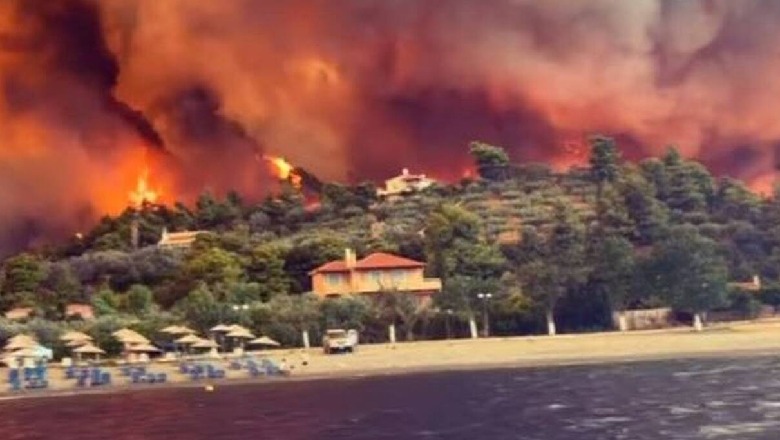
(753, 285)
(405, 183)
(376, 273)
(174, 240)
(83, 311)
(19, 313)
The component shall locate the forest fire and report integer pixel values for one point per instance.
(283, 170)
(143, 192)
(364, 88)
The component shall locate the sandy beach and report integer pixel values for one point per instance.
(738, 339)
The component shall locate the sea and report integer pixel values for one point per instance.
(736, 398)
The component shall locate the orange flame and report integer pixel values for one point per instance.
(143, 193)
(284, 170)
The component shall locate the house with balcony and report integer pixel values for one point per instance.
(178, 240)
(405, 183)
(376, 273)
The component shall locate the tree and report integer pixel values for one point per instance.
(650, 217)
(604, 158)
(401, 308)
(688, 271)
(212, 266)
(492, 162)
(555, 263)
(265, 266)
(139, 300)
(307, 254)
(459, 255)
(105, 302)
(613, 272)
(22, 275)
(201, 309)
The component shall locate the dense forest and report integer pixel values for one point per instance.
(557, 252)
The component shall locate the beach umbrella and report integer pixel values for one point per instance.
(241, 333)
(178, 330)
(187, 340)
(75, 336)
(133, 339)
(77, 343)
(126, 333)
(21, 339)
(89, 349)
(220, 328)
(205, 343)
(236, 327)
(21, 343)
(171, 329)
(264, 340)
(186, 330)
(144, 348)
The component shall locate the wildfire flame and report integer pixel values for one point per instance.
(284, 170)
(143, 193)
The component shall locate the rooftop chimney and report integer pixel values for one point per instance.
(350, 259)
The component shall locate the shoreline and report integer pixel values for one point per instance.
(751, 339)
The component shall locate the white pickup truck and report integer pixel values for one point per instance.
(340, 341)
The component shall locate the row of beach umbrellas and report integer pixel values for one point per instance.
(25, 346)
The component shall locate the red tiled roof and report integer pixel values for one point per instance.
(381, 260)
(332, 266)
(378, 260)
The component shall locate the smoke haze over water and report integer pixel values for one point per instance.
(92, 91)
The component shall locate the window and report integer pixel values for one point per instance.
(374, 276)
(399, 276)
(334, 279)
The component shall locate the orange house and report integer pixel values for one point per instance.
(376, 273)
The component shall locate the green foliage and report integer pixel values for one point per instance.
(212, 266)
(265, 266)
(492, 162)
(555, 262)
(105, 302)
(604, 158)
(687, 270)
(139, 300)
(614, 270)
(22, 276)
(590, 239)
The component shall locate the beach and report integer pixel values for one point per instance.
(736, 339)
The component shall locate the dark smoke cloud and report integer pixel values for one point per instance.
(360, 88)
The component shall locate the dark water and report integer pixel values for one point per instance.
(701, 399)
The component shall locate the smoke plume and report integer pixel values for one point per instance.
(92, 91)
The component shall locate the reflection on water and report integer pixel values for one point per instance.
(692, 399)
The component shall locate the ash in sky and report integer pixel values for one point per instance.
(91, 91)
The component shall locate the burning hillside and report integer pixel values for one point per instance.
(93, 91)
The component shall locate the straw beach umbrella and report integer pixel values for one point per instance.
(127, 334)
(144, 348)
(77, 343)
(241, 334)
(220, 328)
(178, 330)
(75, 336)
(187, 340)
(205, 343)
(88, 349)
(21, 343)
(264, 340)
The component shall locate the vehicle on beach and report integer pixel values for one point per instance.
(340, 341)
